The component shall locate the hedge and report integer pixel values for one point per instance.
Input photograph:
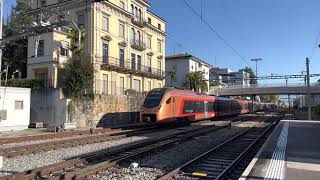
(34, 84)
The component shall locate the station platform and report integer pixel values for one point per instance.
(292, 152)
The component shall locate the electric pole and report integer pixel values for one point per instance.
(308, 89)
(1, 43)
(256, 60)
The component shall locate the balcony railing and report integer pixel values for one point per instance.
(138, 44)
(130, 67)
(139, 21)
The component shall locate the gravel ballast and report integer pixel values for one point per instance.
(27, 162)
(168, 159)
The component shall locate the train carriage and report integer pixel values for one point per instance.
(165, 105)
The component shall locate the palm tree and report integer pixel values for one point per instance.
(173, 75)
(195, 81)
(73, 35)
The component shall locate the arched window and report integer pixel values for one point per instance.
(135, 14)
(139, 15)
(132, 9)
(138, 36)
(133, 35)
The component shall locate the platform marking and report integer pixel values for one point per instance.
(276, 166)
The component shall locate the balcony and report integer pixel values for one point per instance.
(129, 67)
(138, 21)
(138, 45)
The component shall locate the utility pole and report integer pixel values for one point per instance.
(256, 60)
(1, 43)
(308, 89)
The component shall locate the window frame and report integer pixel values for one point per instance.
(40, 51)
(15, 105)
(105, 17)
(122, 34)
(149, 41)
(159, 46)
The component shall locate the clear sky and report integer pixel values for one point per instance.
(282, 32)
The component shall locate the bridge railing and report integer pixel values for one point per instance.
(259, 86)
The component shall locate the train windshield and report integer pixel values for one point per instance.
(153, 98)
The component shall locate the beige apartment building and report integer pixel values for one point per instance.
(123, 39)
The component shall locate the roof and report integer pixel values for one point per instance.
(185, 56)
(152, 13)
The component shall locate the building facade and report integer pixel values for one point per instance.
(226, 77)
(123, 39)
(182, 64)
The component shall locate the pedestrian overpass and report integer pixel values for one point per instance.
(253, 91)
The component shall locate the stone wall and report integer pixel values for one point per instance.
(106, 110)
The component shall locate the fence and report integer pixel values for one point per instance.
(129, 66)
(105, 87)
(264, 85)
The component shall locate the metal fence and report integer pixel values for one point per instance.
(262, 85)
(130, 66)
(105, 87)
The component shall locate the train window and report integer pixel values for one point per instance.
(153, 98)
(189, 107)
(210, 106)
(199, 106)
(168, 101)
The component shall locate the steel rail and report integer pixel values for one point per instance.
(172, 174)
(85, 168)
(72, 142)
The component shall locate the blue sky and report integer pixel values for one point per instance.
(282, 32)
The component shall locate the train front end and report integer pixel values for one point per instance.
(152, 105)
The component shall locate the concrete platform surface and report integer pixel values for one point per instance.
(292, 152)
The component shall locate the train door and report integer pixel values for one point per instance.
(206, 109)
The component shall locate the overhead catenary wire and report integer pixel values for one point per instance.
(315, 45)
(200, 15)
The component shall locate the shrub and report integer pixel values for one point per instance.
(34, 84)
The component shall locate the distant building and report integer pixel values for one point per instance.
(183, 64)
(14, 108)
(226, 77)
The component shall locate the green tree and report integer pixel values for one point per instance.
(173, 75)
(15, 52)
(195, 81)
(251, 74)
(214, 83)
(20, 20)
(317, 109)
(78, 75)
(73, 35)
(269, 98)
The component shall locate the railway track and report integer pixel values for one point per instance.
(66, 143)
(94, 163)
(38, 137)
(105, 135)
(227, 160)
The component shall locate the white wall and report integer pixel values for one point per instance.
(17, 119)
(183, 67)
